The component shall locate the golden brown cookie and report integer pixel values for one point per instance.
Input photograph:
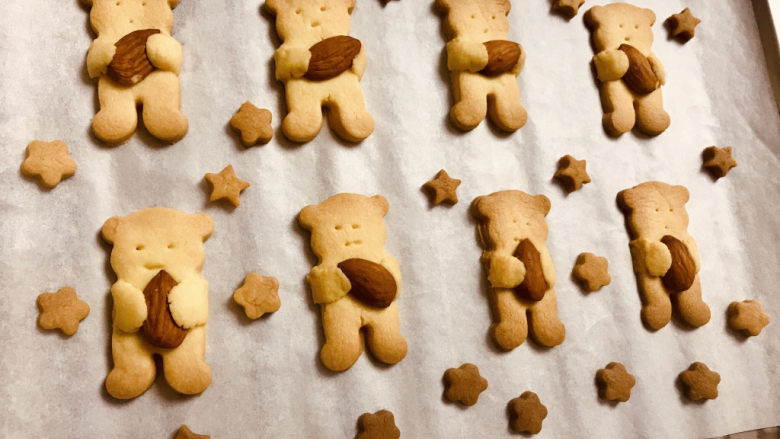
(258, 295)
(700, 382)
(747, 317)
(526, 413)
(253, 124)
(718, 161)
(226, 185)
(591, 271)
(464, 384)
(185, 433)
(571, 173)
(615, 382)
(443, 188)
(379, 425)
(567, 8)
(62, 310)
(683, 25)
(49, 161)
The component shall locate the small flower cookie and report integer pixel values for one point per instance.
(591, 271)
(615, 382)
(526, 413)
(62, 310)
(48, 161)
(379, 425)
(700, 382)
(253, 124)
(571, 173)
(747, 317)
(464, 384)
(258, 295)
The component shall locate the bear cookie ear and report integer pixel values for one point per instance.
(381, 203)
(173, 3)
(593, 17)
(203, 224)
(543, 203)
(680, 195)
(306, 216)
(649, 16)
(111, 228)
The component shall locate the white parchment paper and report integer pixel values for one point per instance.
(267, 379)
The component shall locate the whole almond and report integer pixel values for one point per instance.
(502, 57)
(159, 327)
(130, 64)
(682, 272)
(534, 285)
(639, 77)
(372, 283)
(332, 56)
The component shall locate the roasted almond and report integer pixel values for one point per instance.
(159, 327)
(639, 77)
(332, 56)
(534, 285)
(372, 283)
(502, 57)
(130, 64)
(682, 272)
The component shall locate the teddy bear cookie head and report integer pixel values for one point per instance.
(620, 23)
(117, 18)
(311, 20)
(654, 209)
(481, 19)
(508, 217)
(154, 239)
(346, 226)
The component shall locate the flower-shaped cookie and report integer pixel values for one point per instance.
(226, 185)
(571, 173)
(526, 413)
(254, 124)
(49, 161)
(258, 295)
(683, 25)
(379, 425)
(62, 310)
(700, 382)
(568, 8)
(591, 271)
(464, 384)
(615, 382)
(718, 161)
(747, 316)
(442, 188)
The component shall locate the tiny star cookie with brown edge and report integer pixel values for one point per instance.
(591, 271)
(443, 189)
(258, 295)
(747, 317)
(571, 173)
(700, 382)
(253, 124)
(683, 25)
(526, 413)
(226, 185)
(718, 161)
(49, 161)
(615, 382)
(185, 433)
(379, 425)
(568, 8)
(464, 384)
(62, 310)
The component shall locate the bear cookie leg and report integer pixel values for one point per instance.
(161, 109)
(384, 335)
(470, 104)
(134, 369)
(304, 117)
(511, 329)
(691, 307)
(118, 118)
(505, 109)
(184, 367)
(546, 328)
(651, 118)
(341, 323)
(347, 114)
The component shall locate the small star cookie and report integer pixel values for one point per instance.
(62, 310)
(615, 382)
(380, 425)
(254, 124)
(258, 295)
(591, 271)
(526, 413)
(571, 173)
(683, 25)
(226, 185)
(747, 317)
(185, 433)
(464, 384)
(718, 161)
(442, 188)
(700, 382)
(49, 161)
(568, 8)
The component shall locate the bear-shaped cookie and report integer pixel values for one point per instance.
(483, 65)
(136, 61)
(348, 237)
(320, 66)
(631, 75)
(665, 257)
(149, 245)
(513, 234)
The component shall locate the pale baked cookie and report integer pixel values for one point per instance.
(136, 61)
(483, 65)
(631, 75)
(356, 282)
(513, 235)
(160, 300)
(320, 66)
(665, 257)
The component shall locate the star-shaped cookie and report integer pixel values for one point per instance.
(718, 161)
(591, 271)
(258, 295)
(615, 382)
(442, 188)
(185, 433)
(253, 124)
(683, 25)
(464, 384)
(568, 8)
(49, 161)
(747, 316)
(700, 382)
(380, 425)
(526, 413)
(226, 185)
(571, 173)
(62, 310)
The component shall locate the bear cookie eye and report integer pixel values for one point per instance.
(355, 226)
(139, 247)
(338, 227)
(170, 245)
